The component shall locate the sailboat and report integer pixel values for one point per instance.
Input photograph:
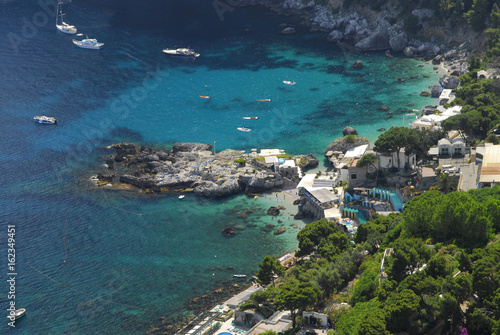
(63, 26)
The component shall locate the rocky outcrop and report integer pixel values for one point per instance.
(209, 189)
(307, 161)
(435, 91)
(376, 41)
(450, 81)
(190, 147)
(369, 29)
(257, 184)
(342, 145)
(189, 167)
(398, 42)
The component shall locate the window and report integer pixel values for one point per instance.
(354, 175)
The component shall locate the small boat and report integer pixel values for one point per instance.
(16, 314)
(205, 97)
(263, 100)
(247, 130)
(45, 119)
(181, 196)
(250, 117)
(288, 82)
(63, 26)
(181, 52)
(239, 276)
(88, 43)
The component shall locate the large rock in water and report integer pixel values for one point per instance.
(340, 144)
(307, 161)
(349, 131)
(189, 147)
(435, 92)
(258, 184)
(273, 211)
(209, 189)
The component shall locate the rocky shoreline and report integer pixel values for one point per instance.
(192, 167)
(381, 30)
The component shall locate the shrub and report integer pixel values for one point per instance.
(492, 138)
(411, 24)
(240, 161)
(350, 138)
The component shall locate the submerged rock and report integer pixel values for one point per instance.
(273, 211)
(357, 65)
(228, 231)
(280, 231)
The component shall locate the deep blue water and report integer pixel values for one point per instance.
(132, 259)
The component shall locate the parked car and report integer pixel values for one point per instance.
(496, 131)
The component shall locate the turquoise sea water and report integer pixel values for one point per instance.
(96, 261)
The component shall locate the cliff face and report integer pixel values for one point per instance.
(370, 30)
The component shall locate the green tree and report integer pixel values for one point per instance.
(419, 212)
(295, 296)
(477, 15)
(495, 16)
(269, 332)
(438, 266)
(408, 256)
(394, 140)
(445, 183)
(268, 268)
(400, 309)
(328, 280)
(259, 297)
(373, 324)
(314, 234)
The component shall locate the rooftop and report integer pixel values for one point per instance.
(310, 182)
(323, 195)
(271, 152)
(356, 151)
(427, 172)
(490, 170)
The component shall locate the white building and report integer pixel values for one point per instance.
(387, 161)
(433, 121)
(453, 147)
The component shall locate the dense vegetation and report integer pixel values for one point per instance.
(440, 275)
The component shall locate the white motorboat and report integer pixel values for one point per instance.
(16, 314)
(250, 117)
(181, 196)
(45, 119)
(287, 82)
(181, 52)
(239, 276)
(60, 24)
(247, 130)
(88, 43)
